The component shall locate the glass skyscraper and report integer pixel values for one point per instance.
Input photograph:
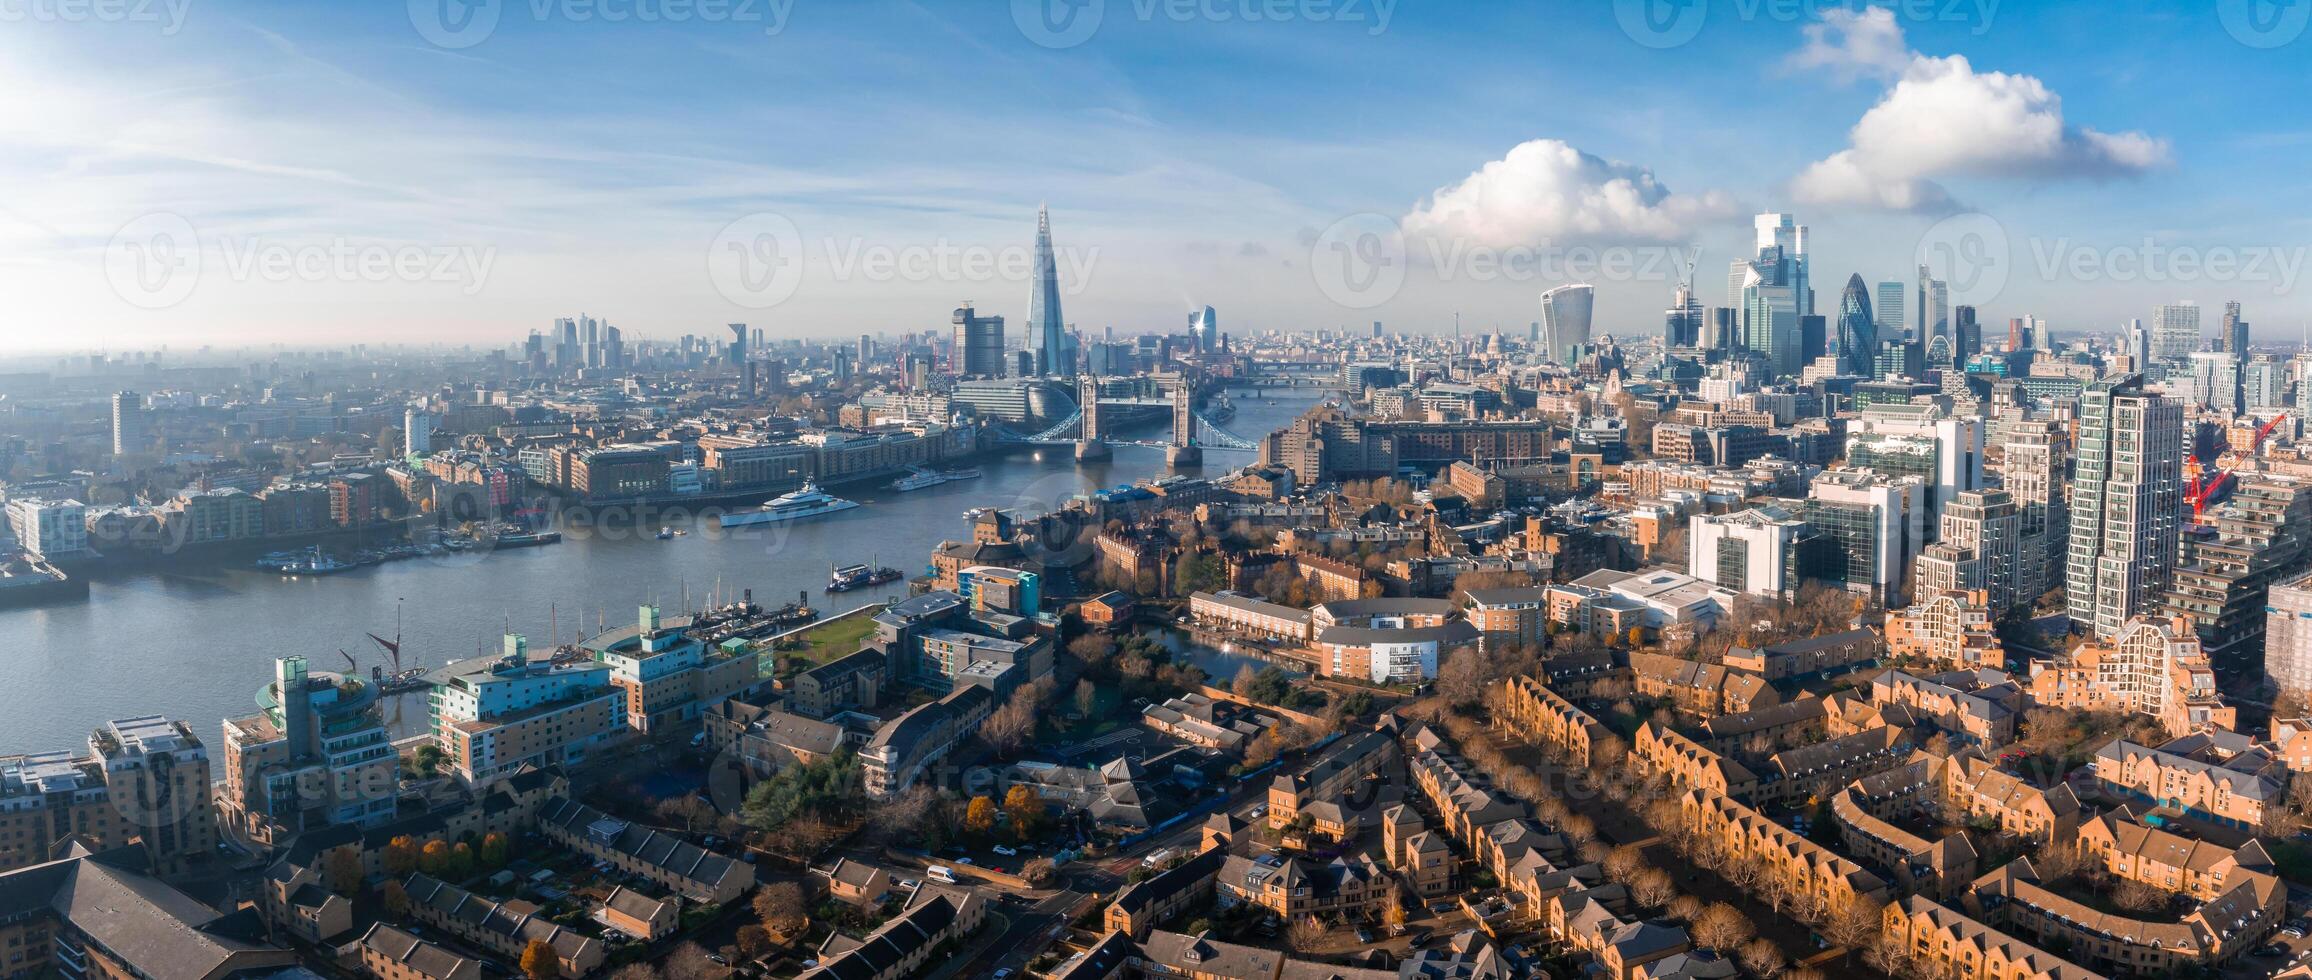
(1857, 331)
(1047, 334)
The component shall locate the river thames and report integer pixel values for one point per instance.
(196, 641)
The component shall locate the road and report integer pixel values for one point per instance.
(1037, 918)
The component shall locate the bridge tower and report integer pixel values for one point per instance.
(1183, 453)
(1094, 444)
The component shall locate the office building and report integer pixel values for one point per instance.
(317, 754)
(2175, 331)
(1966, 335)
(2127, 503)
(978, 350)
(1774, 295)
(1932, 312)
(1047, 332)
(1682, 322)
(1858, 331)
(2215, 381)
(2233, 338)
(1565, 321)
(1878, 522)
(1892, 302)
(1204, 330)
(1922, 441)
(1757, 551)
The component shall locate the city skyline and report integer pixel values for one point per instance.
(257, 131)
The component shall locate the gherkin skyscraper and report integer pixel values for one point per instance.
(1857, 330)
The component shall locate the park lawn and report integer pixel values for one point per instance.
(832, 640)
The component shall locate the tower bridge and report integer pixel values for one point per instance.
(1087, 429)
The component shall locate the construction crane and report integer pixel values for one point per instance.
(2265, 431)
(2201, 488)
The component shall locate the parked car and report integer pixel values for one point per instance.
(718, 959)
(2274, 949)
(1005, 851)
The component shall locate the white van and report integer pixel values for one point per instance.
(1158, 859)
(941, 872)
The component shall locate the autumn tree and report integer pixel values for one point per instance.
(401, 856)
(435, 858)
(979, 817)
(395, 899)
(345, 871)
(1025, 807)
(493, 853)
(782, 908)
(461, 862)
(539, 961)
(752, 941)
(1038, 872)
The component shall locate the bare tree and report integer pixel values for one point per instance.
(2135, 896)
(1653, 888)
(1623, 863)
(1305, 935)
(1686, 909)
(1762, 958)
(1722, 927)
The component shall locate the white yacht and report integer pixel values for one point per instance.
(919, 479)
(809, 501)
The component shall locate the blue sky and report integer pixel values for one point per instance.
(225, 172)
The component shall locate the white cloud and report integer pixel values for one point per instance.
(1547, 191)
(1864, 43)
(1942, 118)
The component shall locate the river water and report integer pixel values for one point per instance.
(195, 642)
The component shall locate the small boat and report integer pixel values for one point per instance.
(314, 563)
(918, 480)
(849, 577)
(966, 473)
(666, 534)
(809, 501)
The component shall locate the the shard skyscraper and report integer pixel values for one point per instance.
(1047, 333)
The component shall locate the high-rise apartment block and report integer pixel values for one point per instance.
(2127, 503)
(316, 755)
